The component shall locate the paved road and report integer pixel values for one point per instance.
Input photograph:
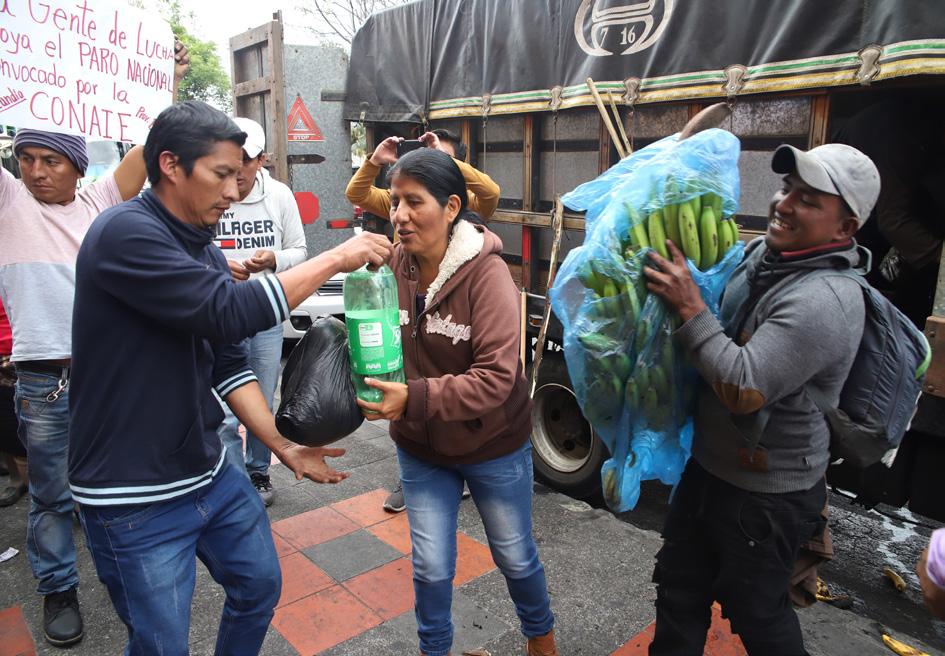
(865, 543)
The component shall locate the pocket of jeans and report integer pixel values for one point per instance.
(128, 517)
(754, 519)
(31, 394)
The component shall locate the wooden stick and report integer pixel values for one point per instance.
(623, 133)
(606, 117)
(557, 223)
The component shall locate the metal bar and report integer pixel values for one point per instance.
(529, 239)
(466, 136)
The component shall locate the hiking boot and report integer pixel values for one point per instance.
(542, 645)
(264, 486)
(62, 623)
(395, 500)
(11, 494)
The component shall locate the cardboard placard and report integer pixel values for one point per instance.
(101, 69)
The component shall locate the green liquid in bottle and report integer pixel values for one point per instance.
(372, 316)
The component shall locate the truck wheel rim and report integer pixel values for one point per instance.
(561, 435)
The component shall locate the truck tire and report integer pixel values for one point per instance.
(566, 453)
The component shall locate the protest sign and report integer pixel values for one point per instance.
(101, 68)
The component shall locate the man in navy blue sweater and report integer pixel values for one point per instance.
(156, 328)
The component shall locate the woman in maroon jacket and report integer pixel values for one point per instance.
(464, 414)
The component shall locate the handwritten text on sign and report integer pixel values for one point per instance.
(98, 68)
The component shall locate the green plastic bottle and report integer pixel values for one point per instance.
(372, 316)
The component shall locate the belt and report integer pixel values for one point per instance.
(44, 367)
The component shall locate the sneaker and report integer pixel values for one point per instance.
(395, 500)
(264, 486)
(466, 493)
(62, 623)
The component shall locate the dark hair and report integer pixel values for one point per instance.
(189, 130)
(439, 175)
(452, 138)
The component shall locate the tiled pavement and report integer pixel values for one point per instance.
(347, 587)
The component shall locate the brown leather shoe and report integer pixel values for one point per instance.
(542, 645)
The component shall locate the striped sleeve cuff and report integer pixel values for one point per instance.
(235, 381)
(274, 292)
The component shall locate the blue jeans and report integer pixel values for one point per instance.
(145, 555)
(502, 491)
(44, 430)
(265, 354)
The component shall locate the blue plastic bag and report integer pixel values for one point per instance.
(634, 385)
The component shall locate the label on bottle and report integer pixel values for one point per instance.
(374, 341)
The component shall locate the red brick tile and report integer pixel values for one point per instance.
(314, 527)
(14, 634)
(639, 644)
(473, 559)
(365, 509)
(720, 640)
(387, 590)
(283, 548)
(395, 532)
(323, 620)
(300, 578)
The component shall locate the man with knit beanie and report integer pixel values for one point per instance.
(754, 489)
(43, 220)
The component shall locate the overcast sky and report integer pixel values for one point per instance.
(218, 20)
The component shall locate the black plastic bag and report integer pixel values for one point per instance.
(318, 404)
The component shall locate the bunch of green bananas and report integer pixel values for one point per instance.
(696, 226)
(650, 393)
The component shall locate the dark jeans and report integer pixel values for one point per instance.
(737, 547)
(146, 557)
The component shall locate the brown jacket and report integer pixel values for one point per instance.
(483, 192)
(467, 397)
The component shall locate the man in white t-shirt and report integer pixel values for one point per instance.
(262, 233)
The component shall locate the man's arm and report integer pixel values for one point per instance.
(131, 172)
(813, 322)
(484, 192)
(250, 407)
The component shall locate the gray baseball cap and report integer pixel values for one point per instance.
(835, 169)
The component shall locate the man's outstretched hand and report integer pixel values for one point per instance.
(309, 462)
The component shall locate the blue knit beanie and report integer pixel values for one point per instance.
(69, 145)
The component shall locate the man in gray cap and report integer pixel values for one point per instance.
(754, 488)
(42, 223)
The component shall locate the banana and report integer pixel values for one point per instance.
(642, 376)
(689, 232)
(632, 395)
(671, 221)
(610, 485)
(726, 239)
(734, 227)
(902, 648)
(696, 205)
(708, 239)
(638, 237)
(609, 288)
(643, 334)
(651, 405)
(666, 356)
(656, 231)
(897, 580)
(633, 302)
(659, 381)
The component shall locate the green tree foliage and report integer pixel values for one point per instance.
(206, 80)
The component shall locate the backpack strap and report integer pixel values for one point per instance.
(752, 426)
